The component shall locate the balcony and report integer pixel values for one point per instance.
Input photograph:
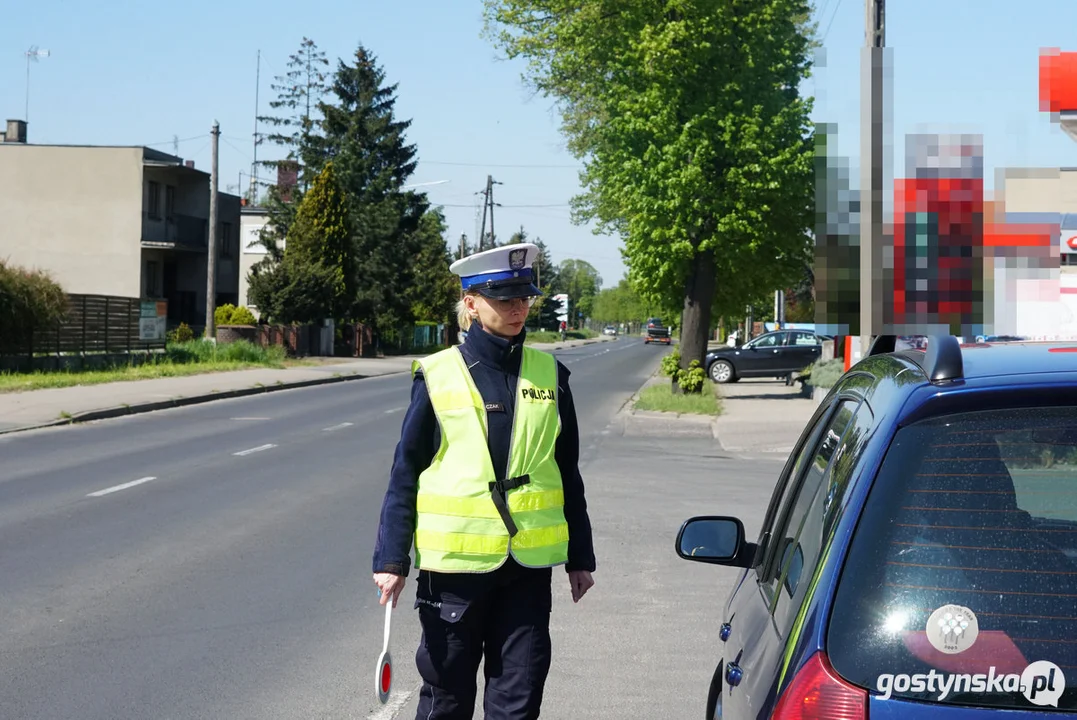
(180, 232)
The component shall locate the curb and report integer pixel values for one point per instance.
(141, 408)
(628, 410)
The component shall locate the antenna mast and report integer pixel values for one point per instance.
(32, 55)
(257, 140)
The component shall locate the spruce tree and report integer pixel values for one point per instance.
(373, 160)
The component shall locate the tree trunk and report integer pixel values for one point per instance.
(696, 317)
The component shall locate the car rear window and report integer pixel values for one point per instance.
(960, 586)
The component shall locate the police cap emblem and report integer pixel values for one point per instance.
(517, 258)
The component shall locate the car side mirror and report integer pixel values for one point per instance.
(716, 541)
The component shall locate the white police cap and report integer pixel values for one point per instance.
(501, 273)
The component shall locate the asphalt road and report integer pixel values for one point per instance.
(214, 561)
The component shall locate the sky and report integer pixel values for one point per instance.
(129, 72)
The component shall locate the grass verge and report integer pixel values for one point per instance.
(545, 336)
(660, 398)
(179, 360)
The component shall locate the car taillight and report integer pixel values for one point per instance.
(817, 693)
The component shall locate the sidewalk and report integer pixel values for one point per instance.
(761, 415)
(58, 406)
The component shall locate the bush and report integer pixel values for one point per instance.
(243, 316)
(223, 314)
(181, 334)
(825, 374)
(692, 379)
(29, 300)
(671, 364)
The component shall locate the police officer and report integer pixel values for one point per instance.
(486, 480)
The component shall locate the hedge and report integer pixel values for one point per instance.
(29, 300)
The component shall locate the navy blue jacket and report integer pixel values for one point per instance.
(495, 366)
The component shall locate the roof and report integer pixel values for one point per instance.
(1018, 358)
(973, 360)
(150, 156)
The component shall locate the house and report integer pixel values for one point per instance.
(120, 221)
(251, 250)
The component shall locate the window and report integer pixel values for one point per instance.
(787, 482)
(151, 279)
(767, 341)
(803, 338)
(170, 201)
(153, 199)
(224, 240)
(974, 515)
(799, 536)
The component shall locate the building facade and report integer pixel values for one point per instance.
(251, 250)
(122, 221)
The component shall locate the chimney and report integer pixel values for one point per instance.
(189, 163)
(16, 132)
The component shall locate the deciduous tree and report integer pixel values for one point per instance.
(582, 282)
(695, 139)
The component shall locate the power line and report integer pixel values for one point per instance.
(837, 7)
(229, 144)
(173, 141)
(562, 205)
(468, 164)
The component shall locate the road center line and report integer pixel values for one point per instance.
(394, 410)
(117, 488)
(251, 418)
(260, 448)
(337, 427)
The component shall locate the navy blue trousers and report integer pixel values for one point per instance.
(501, 619)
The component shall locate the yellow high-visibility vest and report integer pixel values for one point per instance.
(459, 528)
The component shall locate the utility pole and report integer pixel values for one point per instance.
(490, 182)
(485, 206)
(872, 163)
(211, 259)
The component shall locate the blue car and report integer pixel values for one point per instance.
(918, 558)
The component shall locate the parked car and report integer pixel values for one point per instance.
(919, 555)
(657, 332)
(774, 354)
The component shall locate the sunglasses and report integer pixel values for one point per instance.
(507, 303)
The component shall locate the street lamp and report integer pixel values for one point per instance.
(33, 55)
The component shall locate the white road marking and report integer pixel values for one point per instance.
(336, 427)
(394, 410)
(396, 701)
(251, 418)
(260, 448)
(117, 488)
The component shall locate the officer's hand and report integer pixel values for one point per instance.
(580, 581)
(390, 585)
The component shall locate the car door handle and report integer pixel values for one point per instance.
(733, 674)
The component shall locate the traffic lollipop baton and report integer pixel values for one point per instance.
(383, 677)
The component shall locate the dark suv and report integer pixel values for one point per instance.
(919, 555)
